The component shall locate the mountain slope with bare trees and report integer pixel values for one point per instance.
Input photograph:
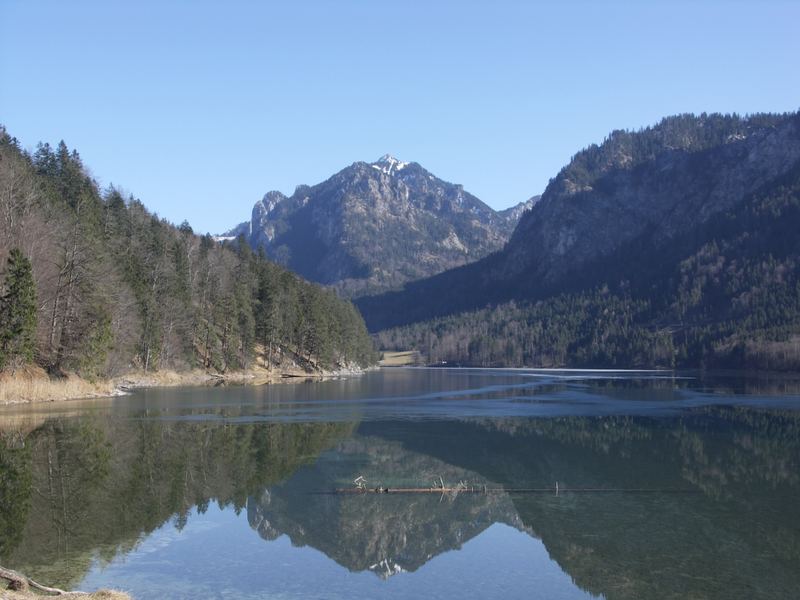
(94, 283)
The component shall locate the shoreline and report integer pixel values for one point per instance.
(34, 386)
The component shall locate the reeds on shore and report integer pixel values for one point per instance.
(32, 384)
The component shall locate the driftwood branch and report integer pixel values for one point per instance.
(21, 583)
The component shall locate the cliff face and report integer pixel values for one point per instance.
(374, 226)
(665, 181)
(633, 215)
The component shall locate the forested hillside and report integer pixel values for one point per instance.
(94, 283)
(674, 246)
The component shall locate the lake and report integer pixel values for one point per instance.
(668, 486)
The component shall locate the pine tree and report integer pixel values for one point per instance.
(18, 311)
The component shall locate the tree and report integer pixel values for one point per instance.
(117, 288)
(18, 311)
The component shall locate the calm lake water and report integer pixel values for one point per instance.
(226, 492)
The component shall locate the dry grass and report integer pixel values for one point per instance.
(164, 378)
(167, 378)
(400, 359)
(32, 384)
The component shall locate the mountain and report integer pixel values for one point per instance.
(374, 226)
(386, 535)
(671, 245)
(660, 182)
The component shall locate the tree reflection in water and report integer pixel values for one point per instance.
(80, 488)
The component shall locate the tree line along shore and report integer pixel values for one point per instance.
(93, 287)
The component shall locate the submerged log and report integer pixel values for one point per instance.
(485, 490)
(439, 487)
(16, 581)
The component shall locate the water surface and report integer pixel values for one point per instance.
(225, 492)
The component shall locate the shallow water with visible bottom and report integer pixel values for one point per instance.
(628, 485)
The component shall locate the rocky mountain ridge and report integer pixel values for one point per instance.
(666, 179)
(674, 245)
(374, 226)
(514, 213)
(651, 186)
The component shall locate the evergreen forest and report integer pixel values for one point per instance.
(91, 282)
(717, 291)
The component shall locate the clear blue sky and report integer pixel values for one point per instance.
(199, 108)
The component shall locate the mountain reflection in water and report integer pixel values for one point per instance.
(84, 491)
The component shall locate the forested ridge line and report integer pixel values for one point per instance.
(91, 282)
(723, 295)
(674, 246)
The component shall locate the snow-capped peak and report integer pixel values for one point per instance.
(270, 201)
(389, 164)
